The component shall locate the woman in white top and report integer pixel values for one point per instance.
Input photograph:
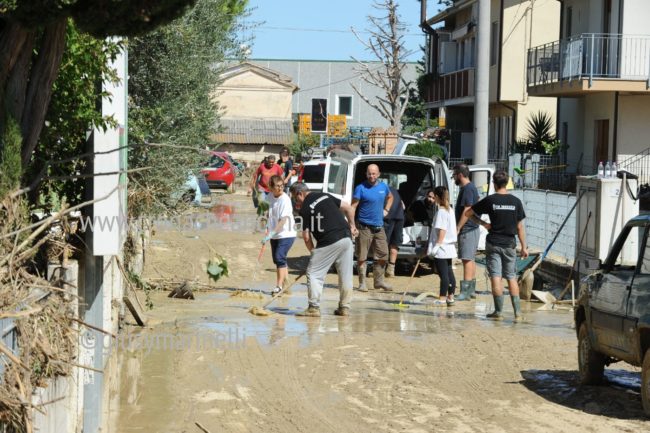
(442, 246)
(281, 229)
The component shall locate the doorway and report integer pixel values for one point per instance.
(601, 141)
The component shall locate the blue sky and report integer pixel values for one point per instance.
(283, 32)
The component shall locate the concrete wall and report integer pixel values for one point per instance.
(633, 124)
(572, 113)
(635, 17)
(545, 212)
(250, 93)
(330, 79)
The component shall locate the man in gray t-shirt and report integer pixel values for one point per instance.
(468, 231)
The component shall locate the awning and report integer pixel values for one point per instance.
(255, 131)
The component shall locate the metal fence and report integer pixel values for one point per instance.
(638, 165)
(546, 172)
(499, 164)
(592, 56)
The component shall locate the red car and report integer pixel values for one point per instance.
(220, 172)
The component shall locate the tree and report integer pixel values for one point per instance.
(415, 116)
(386, 44)
(174, 72)
(32, 42)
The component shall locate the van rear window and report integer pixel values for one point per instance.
(313, 173)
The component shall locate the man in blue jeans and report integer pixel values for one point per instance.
(506, 220)
(372, 199)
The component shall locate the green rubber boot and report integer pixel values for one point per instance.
(465, 291)
(472, 291)
(516, 307)
(498, 308)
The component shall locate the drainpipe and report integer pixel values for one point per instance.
(513, 134)
(615, 139)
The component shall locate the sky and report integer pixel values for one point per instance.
(320, 29)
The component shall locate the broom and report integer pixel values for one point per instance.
(261, 311)
(401, 303)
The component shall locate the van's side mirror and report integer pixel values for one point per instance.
(592, 264)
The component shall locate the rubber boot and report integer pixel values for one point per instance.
(390, 270)
(498, 308)
(378, 275)
(472, 289)
(465, 288)
(516, 307)
(362, 278)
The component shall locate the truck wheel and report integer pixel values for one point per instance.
(645, 383)
(591, 363)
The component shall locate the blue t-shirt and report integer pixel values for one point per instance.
(371, 203)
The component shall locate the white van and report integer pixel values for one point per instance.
(412, 176)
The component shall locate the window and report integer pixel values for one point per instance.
(494, 43)
(569, 22)
(337, 177)
(344, 105)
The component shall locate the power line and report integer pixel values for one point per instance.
(303, 29)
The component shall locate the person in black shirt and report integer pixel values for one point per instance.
(322, 217)
(507, 215)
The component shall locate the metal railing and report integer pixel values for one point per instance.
(499, 164)
(591, 56)
(638, 165)
(457, 84)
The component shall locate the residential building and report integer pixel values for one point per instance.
(332, 80)
(256, 110)
(450, 78)
(599, 68)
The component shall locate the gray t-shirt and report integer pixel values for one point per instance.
(467, 196)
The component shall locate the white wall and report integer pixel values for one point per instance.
(636, 14)
(572, 112)
(633, 124)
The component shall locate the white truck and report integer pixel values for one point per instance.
(413, 176)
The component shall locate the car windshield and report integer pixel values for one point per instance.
(216, 162)
(314, 173)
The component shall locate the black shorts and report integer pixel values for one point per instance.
(393, 229)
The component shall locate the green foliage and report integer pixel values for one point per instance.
(10, 163)
(540, 129)
(540, 138)
(174, 72)
(217, 268)
(415, 115)
(302, 142)
(426, 148)
(73, 113)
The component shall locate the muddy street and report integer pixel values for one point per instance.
(383, 368)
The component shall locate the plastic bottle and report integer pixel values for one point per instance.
(601, 170)
(608, 170)
(614, 171)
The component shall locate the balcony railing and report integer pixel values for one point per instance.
(590, 56)
(453, 85)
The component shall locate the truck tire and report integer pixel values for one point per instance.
(645, 383)
(591, 363)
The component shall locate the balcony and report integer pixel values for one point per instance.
(591, 62)
(453, 88)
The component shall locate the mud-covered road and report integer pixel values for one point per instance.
(420, 369)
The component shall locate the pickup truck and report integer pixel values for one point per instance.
(612, 317)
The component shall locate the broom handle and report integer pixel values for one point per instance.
(415, 269)
(302, 273)
(548, 248)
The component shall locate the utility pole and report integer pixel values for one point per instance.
(482, 83)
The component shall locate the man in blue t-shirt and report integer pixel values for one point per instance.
(372, 199)
(467, 230)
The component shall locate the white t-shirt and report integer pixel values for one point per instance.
(445, 220)
(278, 208)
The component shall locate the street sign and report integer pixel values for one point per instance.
(319, 115)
